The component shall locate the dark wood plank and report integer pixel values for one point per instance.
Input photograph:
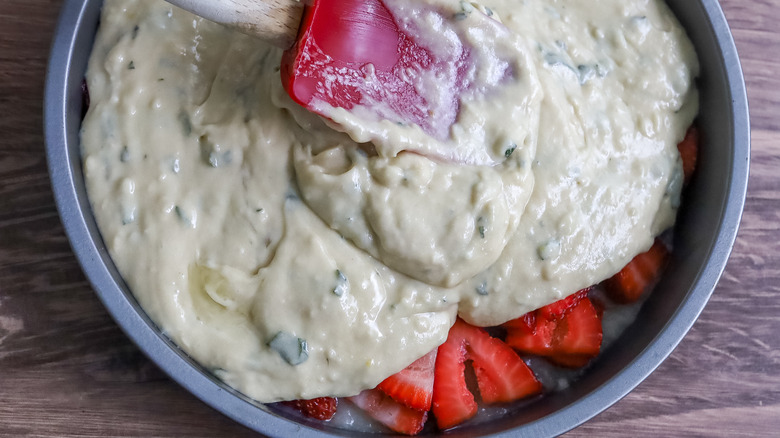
(67, 369)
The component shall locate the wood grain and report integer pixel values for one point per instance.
(66, 369)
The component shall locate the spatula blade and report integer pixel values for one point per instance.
(352, 53)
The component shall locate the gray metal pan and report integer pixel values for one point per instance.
(707, 227)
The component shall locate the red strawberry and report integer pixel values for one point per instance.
(531, 334)
(638, 275)
(322, 408)
(453, 403)
(534, 332)
(578, 334)
(568, 332)
(502, 376)
(689, 150)
(387, 411)
(559, 308)
(525, 322)
(413, 386)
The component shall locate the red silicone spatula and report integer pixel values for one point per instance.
(348, 53)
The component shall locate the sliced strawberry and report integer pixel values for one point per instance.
(322, 408)
(568, 332)
(559, 308)
(578, 334)
(531, 334)
(413, 386)
(638, 275)
(689, 150)
(453, 403)
(389, 412)
(525, 322)
(534, 332)
(502, 376)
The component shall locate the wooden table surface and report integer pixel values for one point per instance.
(66, 369)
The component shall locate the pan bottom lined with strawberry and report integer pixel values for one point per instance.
(297, 262)
(567, 333)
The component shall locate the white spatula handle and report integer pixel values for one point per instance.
(275, 21)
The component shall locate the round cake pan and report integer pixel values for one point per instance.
(704, 235)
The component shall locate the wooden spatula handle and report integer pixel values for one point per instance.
(275, 21)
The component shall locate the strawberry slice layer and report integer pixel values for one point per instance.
(389, 412)
(453, 403)
(567, 332)
(321, 408)
(413, 386)
(531, 334)
(502, 376)
(628, 285)
(689, 151)
(560, 308)
(579, 333)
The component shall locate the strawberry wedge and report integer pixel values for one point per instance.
(628, 285)
(389, 412)
(501, 374)
(560, 308)
(321, 408)
(413, 386)
(689, 151)
(567, 332)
